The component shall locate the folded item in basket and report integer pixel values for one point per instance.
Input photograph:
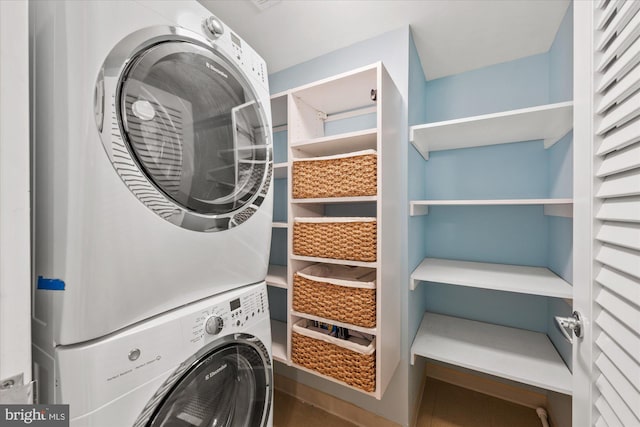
(332, 330)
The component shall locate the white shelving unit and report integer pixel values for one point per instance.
(516, 354)
(277, 276)
(547, 122)
(308, 109)
(501, 277)
(279, 340)
(563, 207)
(524, 356)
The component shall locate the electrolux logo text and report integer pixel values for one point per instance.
(34, 415)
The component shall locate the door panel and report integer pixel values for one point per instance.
(607, 213)
(226, 385)
(188, 134)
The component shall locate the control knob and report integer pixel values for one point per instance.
(214, 325)
(213, 27)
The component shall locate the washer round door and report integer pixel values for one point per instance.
(187, 134)
(227, 386)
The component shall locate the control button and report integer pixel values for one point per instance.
(214, 325)
(213, 27)
(253, 314)
(238, 322)
(246, 318)
(134, 354)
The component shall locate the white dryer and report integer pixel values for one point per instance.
(153, 160)
(204, 364)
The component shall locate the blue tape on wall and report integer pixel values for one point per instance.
(50, 284)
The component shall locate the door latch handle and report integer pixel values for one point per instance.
(568, 324)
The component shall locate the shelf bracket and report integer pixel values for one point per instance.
(548, 143)
(418, 210)
(422, 148)
(565, 210)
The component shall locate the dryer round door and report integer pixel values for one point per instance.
(184, 129)
(227, 386)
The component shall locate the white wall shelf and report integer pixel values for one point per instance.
(329, 200)
(280, 170)
(277, 276)
(515, 354)
(548, 122)
(563, 207)
(279, 340)
(371, 331)
(337, 144)
(280, 224)
(372, 264)
(501, 277)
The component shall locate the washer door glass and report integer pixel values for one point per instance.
(194, 127)
(226, 388)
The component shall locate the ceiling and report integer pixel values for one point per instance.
(451, 36)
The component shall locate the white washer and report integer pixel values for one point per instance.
(153, 159)
(204, 361)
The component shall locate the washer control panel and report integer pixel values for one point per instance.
(232, 315)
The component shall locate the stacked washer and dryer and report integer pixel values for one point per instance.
(152, 201)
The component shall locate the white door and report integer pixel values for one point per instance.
(15, 266)
(606, 361)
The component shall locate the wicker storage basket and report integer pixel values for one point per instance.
(353, 361)
(337, 292)
(348, 238)
(344, 175)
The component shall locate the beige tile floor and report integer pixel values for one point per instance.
(291, 412)
(444, 405)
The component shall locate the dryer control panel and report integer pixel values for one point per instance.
(247, 58)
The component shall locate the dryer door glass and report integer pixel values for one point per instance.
(194, 127)
(229, 387)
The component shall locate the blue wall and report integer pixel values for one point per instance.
(280, 147)
(560, 258)
(561, 61)
(416, 226)
(507, 86)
